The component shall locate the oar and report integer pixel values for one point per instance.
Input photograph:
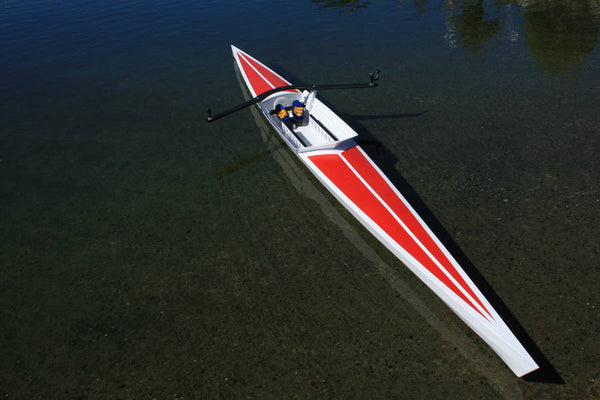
(374, 77)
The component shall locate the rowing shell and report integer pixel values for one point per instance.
(325, 144)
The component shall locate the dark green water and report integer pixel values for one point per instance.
(147, 254)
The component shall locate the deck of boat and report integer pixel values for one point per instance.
(321, 127)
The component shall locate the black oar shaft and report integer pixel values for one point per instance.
(225, 113)
(372, 83)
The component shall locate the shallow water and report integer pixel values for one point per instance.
(147, 254)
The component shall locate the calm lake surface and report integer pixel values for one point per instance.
(146, 254)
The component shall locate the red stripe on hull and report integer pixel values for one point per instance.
(273, 78)
(261, 78)
(346, 181)
(374, 179)
(258, 84)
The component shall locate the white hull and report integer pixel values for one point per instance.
(326, 146)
